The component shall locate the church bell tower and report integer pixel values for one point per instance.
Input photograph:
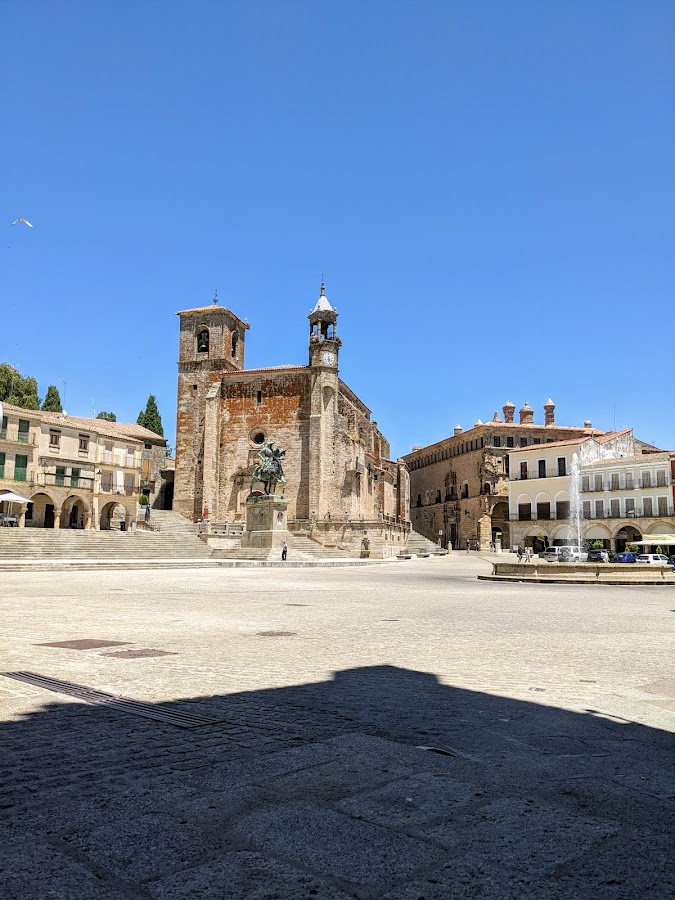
(324, 346)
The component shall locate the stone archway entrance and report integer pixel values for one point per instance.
(41, 512)
(114, 517)
(75, 513)
(625, 536)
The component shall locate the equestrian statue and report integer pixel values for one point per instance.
(269, 471)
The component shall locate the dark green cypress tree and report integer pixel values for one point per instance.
(52, 402)
(150, 417)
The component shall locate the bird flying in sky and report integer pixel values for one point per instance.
(21, 219)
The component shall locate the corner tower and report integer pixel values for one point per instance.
(324, 346)
(211, 343)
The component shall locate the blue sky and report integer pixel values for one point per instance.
(487, 187)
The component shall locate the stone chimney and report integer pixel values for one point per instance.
(549, 412)
(526, 414)
(588, 423)
(496, 417)
(508, 409)
(457, 429)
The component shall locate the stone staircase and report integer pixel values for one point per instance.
(300, 548)
(418, 545)
(47, 543)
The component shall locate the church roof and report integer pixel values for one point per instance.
(210, 309)
(323, 304)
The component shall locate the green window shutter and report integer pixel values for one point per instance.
(2, 465)
(74, 477)
(60, 476)
(20, 465)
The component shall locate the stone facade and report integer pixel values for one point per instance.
(337, 465)
(75, 472)
(626, 491)
(459, 486)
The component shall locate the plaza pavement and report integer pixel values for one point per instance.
(553, 706)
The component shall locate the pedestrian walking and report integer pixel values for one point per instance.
(528, 555)
(468, 545)
(284, 551)
(520, 554)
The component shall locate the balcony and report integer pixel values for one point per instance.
(632, 514)
(120, 460)
(80, 482)
(12, 435)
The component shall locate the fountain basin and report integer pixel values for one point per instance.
(581, 573)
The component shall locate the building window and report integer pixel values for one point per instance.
(438, 496)
(524, 512)
(130, 457)
(258, 398)
(20, 466)
(661, 478)
(563, 509)
(598, 482)
(507, 464)
(24, 428)
(523, 471)
(614, 481)
(586, 509)
(536, 440)
(60, 477)
(465, 490)
(195, 387)
(258, 438)
(630, 507)
(585, 483)
(599, 509)
(615, 511)
(541, 468)
(128, 484)
(148, 446)
(107, 453)
(562, 466)
(3, 430)
(523, 442)
(84, 443)
(629, 481)
(203, 341)
(106, 482)
(646, 479)
(74, 478)
(497, 441)
(662, 505)
(549, 440)
(419, 499)
(2, 465)
(54, 438)
(647, 507)
(233, 345)
(543, 510)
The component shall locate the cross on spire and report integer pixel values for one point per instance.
(215, 296)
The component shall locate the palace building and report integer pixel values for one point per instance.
(340, 480)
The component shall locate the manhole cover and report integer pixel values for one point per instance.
(83, 644)
(138, 654)
(276, 633)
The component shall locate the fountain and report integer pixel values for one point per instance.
(576, 506)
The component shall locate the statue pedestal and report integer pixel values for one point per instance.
(266, 524)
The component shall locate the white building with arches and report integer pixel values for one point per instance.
(626, 490)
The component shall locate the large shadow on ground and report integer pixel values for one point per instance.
(322, 791)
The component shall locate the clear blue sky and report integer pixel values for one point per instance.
(487, 186)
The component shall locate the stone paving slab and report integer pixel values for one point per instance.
(556, 780)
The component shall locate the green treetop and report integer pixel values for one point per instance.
(150, 418)
(108, 416)
(17, 389)
(52, 402)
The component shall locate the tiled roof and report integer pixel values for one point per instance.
(212, 308)
(635, 459)
(568, 443)
(238, 372)
(99, 426)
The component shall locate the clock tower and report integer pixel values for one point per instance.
(324, 345)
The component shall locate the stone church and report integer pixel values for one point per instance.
(340, 480)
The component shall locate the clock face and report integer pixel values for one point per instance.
(328, 357)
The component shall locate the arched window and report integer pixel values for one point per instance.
(203, 340)
(235, 341)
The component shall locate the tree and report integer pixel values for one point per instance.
(52, 402)
(108, 416)
(17, 389)
(150, 418)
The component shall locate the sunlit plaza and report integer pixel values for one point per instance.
(271, 737)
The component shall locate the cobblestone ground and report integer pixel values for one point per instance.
(552, 706)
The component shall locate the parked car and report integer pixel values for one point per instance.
(671, 561)
(656, 559)
(567, 553)
(598, 555)
(627, 557)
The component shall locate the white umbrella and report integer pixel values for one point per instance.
(11, 497)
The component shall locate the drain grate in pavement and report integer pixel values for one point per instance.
(112, 701)
(276, 633)
(83, 644)
(138, 654)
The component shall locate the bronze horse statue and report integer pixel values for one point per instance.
(270, 471)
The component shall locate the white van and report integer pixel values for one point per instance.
(656, 559)
(567, 553)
